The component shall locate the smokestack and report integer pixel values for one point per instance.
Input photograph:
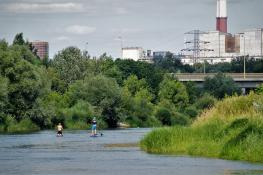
(221, 16)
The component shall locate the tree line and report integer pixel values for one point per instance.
(72, 88)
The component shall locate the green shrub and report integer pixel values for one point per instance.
(163, 115)
(24, 126)
(179, 119)
(78, 116)
(152, 122)
(191, 111)
(205, 102)
(2, 128)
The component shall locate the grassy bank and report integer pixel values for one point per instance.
(233, 129)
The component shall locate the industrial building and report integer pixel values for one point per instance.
(160, 54)
(134, 53)
(139, 54)
(42, 48)
(221, 46)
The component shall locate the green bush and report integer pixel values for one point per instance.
(78, 116)
(164, 115)
(205, 102)
(151, 122)
(24, 126)
(2, 128)
(191, 111)
(179, 119)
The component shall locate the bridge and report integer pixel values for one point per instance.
(244, 81)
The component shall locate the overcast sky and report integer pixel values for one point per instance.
(151, 24)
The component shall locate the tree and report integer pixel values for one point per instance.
(101, 92)
(46, 61)
(19, 40)
(3, 97)
(25, 80)
(152, 75)
(174, 92)
(142, 107)
(134, 85)
(70, 65)
(221, 85)
(164, 115)
(259, 89)
(193, 91)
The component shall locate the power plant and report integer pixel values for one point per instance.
(221, 46)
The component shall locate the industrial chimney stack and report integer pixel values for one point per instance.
(221, 16)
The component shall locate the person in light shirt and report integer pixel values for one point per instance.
(59, 130)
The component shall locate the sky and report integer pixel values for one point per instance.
(105, 25)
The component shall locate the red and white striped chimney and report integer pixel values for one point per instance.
(221, 16)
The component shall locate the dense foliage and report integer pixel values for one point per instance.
(72, 88)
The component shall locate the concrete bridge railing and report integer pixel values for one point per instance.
(235, 76)
(247, 81)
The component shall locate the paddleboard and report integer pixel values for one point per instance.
(97, 135)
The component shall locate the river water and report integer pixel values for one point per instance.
(114, 153)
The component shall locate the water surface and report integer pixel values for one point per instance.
(115, 153)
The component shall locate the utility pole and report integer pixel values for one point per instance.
(244, 56)
(261, 31)
(204, 66)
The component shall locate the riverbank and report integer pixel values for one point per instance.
(233, 129)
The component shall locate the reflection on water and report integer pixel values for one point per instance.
(115, 153)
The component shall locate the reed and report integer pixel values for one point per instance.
(233, 129)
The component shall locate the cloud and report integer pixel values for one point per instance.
(62, 38)
(80, 29)
(42, 7)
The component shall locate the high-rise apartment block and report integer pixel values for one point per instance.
(42, 48)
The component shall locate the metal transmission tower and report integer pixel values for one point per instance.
(193, 45)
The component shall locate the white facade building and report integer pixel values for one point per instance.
(251, 43)
(134, 53)
(216, 47)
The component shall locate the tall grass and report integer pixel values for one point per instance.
(233, 129)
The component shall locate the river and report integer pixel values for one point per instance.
(114, 153)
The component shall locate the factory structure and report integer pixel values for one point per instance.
(219, 45)
(134, 53)
(139, 54)
(209, 46)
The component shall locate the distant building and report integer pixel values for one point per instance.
(134, 53)
(251, 43)
(224, 47)
(160, 54)
(42, 48)
(221, 46)
(149, 53)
